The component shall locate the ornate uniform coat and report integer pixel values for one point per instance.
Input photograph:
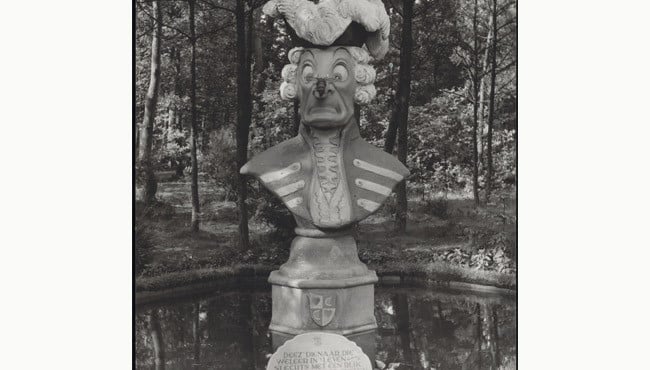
(328, 181)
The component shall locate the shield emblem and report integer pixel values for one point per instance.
(322, 307)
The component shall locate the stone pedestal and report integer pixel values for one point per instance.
(324, 287)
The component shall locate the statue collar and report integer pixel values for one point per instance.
(349, 132)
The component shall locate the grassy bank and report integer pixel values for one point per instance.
(447, 239)
(430, 273)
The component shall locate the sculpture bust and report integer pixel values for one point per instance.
(328, 176)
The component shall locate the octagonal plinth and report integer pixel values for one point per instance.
(344, 310)
(323, 287)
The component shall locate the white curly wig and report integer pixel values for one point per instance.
(364, 74)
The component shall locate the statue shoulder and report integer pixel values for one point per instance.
(275, 158)
(368, 154)
(372, 176)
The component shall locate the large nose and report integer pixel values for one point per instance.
(322, 89)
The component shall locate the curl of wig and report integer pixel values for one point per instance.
(294, 55)
(364, 94)
(289, 73)
(364, 74)
(288, 91)
(360, 55)
(288, 88)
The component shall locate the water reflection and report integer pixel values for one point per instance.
(421, 329)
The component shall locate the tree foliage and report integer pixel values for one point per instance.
(454, 52)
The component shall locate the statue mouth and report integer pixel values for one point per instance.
(324, 110)
(330, 112)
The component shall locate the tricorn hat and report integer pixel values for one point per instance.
(335, 22)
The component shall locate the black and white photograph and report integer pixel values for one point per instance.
(324, 184)
(307, 169)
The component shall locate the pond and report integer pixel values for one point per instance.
(420, 328)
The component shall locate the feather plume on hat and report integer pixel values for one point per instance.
(324, 23)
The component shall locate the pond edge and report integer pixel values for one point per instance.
(193, 282)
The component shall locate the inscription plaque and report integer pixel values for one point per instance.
(319, 351)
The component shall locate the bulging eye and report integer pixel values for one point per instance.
(307, 73)
(340, 72)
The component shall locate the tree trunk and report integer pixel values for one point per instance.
(249, 38)
(481, 102)
(488, 338)
(248, 336)
(475, 88)
(176, 57)
(493, 78)
(204, 130)
(260, 64)
(196, 214)
(151, 100)
(421, 343)
(393, 124)
(165, 132)
(399, 118)
(436, 57)
(401, 309)
(258, 48)
(196, 332)
(262, 48)
(171, 121)
(175, 110)
(479, 335)
(157, 340)
(243, 118)
(495, 334)
(171, 124)
(137, 143)
(174, 107)
(391, 131)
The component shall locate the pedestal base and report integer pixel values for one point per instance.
(341, 306)
(324, 287)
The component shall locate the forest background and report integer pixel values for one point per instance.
(206, 99)
(582, 92)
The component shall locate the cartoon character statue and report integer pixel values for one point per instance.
(328, 176)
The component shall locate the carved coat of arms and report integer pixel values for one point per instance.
(322, 308)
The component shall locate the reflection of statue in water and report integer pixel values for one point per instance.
(328, 176)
